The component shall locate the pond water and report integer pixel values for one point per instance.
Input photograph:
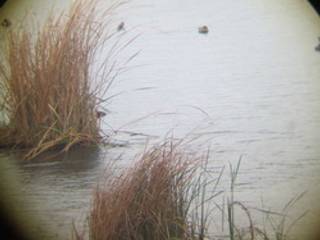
(250, 87)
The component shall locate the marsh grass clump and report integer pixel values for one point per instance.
(171, 193)
(49, 90)
(158, 198)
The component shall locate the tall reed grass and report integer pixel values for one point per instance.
(161, 198)
(46, 76)
(170, 193)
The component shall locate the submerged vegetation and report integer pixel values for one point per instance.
(49, 91)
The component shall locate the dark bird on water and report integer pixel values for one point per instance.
(203, 29)
(100, 114)
(317, 48)
(121, 26)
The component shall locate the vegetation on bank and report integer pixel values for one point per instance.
(49, 92)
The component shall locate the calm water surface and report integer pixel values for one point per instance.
(250, 87)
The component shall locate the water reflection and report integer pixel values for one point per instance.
(79, 160)
(54, 187)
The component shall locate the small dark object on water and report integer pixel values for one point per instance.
(6, 23)
(317, 48)
(203, 29)
(100, 114)
(121, 26)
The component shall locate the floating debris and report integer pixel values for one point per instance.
(203, 29)
(121, 26)
(6, 23)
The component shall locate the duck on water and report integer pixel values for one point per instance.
(203, 29)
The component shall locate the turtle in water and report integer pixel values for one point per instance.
(203, 29)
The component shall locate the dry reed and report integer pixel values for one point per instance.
(154, 199)
(165, 196)
(46, 77)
